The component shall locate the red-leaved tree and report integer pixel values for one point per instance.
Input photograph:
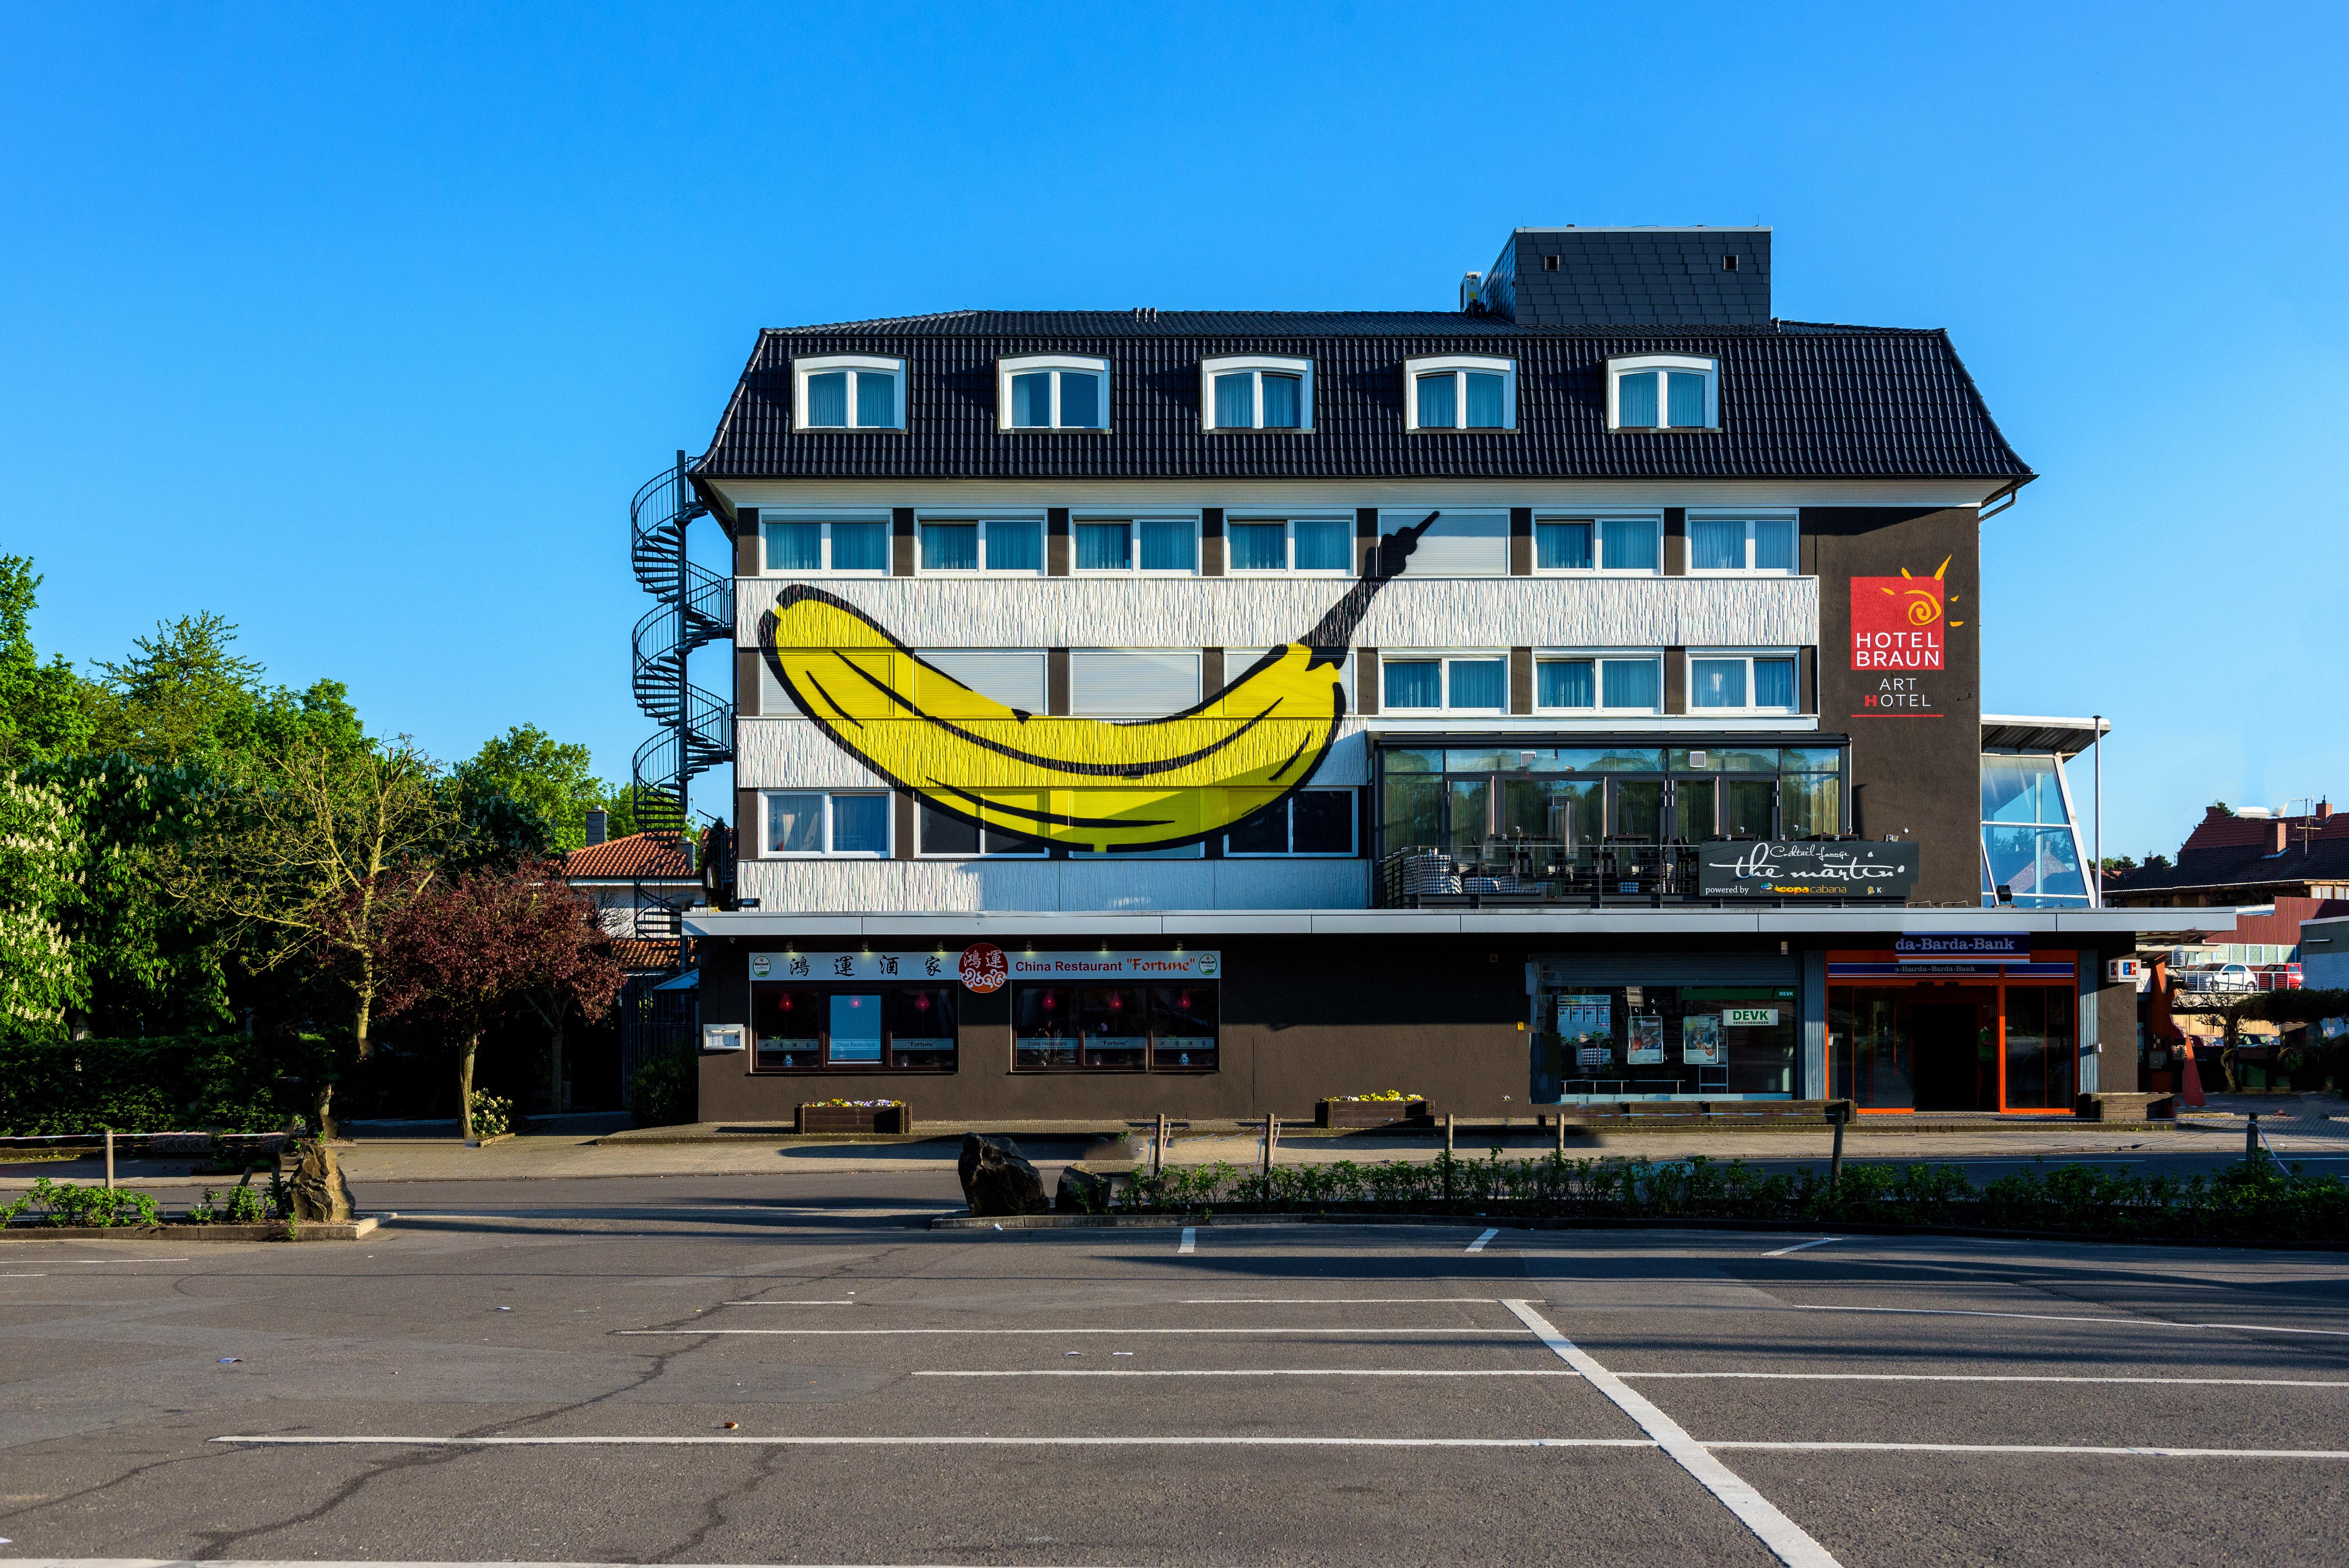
(467, 949)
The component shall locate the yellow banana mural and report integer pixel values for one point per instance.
(1080, 783)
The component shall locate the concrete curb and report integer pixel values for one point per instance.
(272, 1231)
(1474, 1222)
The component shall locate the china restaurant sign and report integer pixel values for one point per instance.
(984, 966)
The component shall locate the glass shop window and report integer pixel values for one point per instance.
(1114, 1028)
(815, 1029)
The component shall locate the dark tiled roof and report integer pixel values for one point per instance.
(2235, 851)
(1799, 401)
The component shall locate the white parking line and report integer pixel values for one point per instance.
(1913, 1311)
(1478, 1245)
(2150, 1454)
(1278, 1372)
(1372, 1333)
(1332, 1300)
(1786, 1540)
(2003, 1377)
(840, 1303)
(1799, 1246)
(1190, 1239)
(968, 1439)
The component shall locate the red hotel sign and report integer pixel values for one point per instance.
(1896, 623)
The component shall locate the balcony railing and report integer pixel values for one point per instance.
(1505, 872)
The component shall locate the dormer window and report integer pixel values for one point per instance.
(1663, 392)
(848, 392)
(1051, 392)
(1254, 393)
(1460, 392)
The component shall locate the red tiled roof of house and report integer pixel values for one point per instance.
(643, 954)
(638, 856)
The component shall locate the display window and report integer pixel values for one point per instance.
(1644, 1042)
(1116, 1029)
(1953, 1037)
(851, 1028)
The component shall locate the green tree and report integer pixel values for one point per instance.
(553, 778)
(627, 812)
(45, 709)
(185, 696)
(39, 977)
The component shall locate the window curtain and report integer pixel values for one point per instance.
(1032, 399)
(1416, 683)
(794, 824)
(1169, 544)
(1562, 546)
(1773, 682)
(1716, 683)
(1103, 547)
(1236, 401)
(1479, 682)
(860, 547)
(1635, 399)
(1283, 400)
(1628, 544)
(1487, 402)
(1687, 398)
(1079, 401)
(949, 547)
(876, 400)
(860, 824)
(1437, 408)
(1565, 683)
(1324, 544)
(1774, 545)
(1715, 545)
(1015, 546)
(828, 398)
(794, 546)
(1630, 683)
(1257, 546)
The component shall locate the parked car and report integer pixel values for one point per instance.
(2217, 977)
(2278, 976)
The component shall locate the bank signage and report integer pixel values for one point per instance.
(977, 969)
(1962, 947)
(1801, 867)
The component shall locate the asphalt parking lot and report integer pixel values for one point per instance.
(543, 1374)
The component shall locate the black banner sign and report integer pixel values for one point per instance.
(1805, 869)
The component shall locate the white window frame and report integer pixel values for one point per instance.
(1651, 364)
(1459, 364)
(888, 831)
(1005, 369)
(1258, 366)
(1198, 682)
(1134, 521)
(984, 521)
(1353, 835)
(773, 515)
(1287, 567)
(1599, 567)
(1688, 681)
(1749, 569)
(1596, 657)
(826, 364)
(1448, 658)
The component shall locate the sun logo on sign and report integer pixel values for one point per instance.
(1922, 606)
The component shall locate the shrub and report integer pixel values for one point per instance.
(667, 1091)
(164, 1084)
(492, 1116)
(64, 1204)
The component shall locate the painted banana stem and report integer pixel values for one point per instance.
(1086, 784)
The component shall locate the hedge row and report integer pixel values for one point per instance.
(166, 1084)
(2247, 1201)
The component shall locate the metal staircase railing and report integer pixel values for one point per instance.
(696, 607)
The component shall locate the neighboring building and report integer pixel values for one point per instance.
(1571, 698)
(642, 884)
(2325, 954)
(2249, 856)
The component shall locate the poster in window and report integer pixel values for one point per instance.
(1646, 1044)
(1701, 1039)
(1586, 1024)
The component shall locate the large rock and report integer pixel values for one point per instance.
(319, 1192)
(1082, 1191)
(997, 1179)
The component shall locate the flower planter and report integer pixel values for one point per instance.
(1343, 1113)
(854, 1119)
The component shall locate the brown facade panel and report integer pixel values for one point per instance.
(1211, 541)
(1211, 674)
(748, 557)
(1056, 541)
(746, 823)
(1366, 682)
(901, 835)
(1675, 542)
(1676, 680)
(903, 543)
(1521, 544)
(1056, 682)
(1366, 539)
(746, 682)
(1521, 680)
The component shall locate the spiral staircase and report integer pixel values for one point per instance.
(693, 606)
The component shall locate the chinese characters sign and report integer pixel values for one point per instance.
(983, 966)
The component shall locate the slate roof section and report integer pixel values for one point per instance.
(1633, 277)
(1799, 401)
(2235, 851)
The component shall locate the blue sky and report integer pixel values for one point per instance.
(359, 327)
